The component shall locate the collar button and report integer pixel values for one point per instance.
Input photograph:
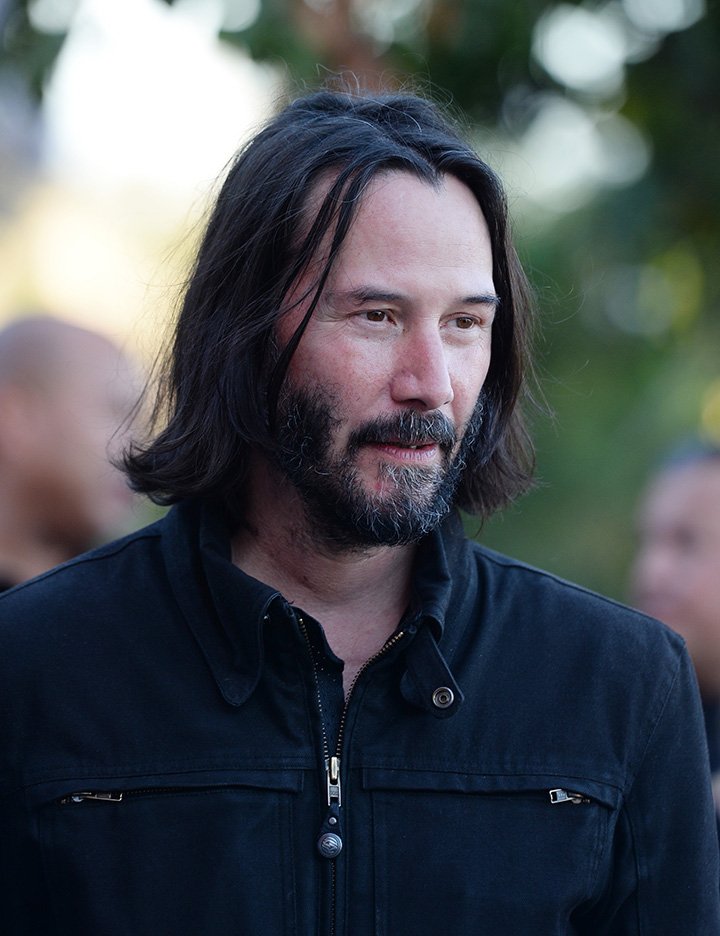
(443, 697)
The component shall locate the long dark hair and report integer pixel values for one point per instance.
(220, 381)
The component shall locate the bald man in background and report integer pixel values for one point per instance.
(65, 393)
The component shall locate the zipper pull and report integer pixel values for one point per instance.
(565, 796)
(107, 797)
(332, 773)
(330, 841)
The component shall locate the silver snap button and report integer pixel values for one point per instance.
(443, 697)
(330, 845)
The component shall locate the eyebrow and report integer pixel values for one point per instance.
(369, 294)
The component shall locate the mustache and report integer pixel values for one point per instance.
(406, 428)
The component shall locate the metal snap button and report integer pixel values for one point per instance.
(330, 845)
(443, 697)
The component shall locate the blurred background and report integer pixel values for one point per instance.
(116, 118)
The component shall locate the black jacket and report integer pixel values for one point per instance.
(524, 758)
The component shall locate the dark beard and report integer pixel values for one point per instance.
(343, 514)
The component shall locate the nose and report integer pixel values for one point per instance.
(421, 376)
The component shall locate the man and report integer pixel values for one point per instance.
(64, 392)
(676, 574)
(305, 703)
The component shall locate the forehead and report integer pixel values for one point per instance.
(396, 192)
(404, 220)
(687, 495)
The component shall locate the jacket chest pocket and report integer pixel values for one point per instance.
(173, 855)
(464, 853)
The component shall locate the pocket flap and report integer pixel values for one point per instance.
(442, 781)
(288, 781)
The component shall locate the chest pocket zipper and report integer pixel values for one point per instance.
(559, 795)
(120, 796)
(105, 797)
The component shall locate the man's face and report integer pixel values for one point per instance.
(386, 379)
(676, 576)
(79, 496)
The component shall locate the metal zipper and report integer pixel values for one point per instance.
(332, 762)
(118, 796)
(104, 796)
(331, 836)
(559, 795)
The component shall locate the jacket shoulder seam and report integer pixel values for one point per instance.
(498, 559)
(104, 552)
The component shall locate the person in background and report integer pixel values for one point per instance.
(307, 702)
(676, 571)
(64, 393)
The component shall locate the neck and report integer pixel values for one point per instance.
(316, 580)
(357, 596)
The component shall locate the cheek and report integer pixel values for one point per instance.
(467, 388)
(356, 372)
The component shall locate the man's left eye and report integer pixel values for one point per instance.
(376, 315)
(465, 322)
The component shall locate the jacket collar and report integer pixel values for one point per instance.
(209, 590)
(442, 584)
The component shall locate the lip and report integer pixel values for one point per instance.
(421, 453)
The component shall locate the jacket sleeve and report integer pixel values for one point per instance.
(665, 871)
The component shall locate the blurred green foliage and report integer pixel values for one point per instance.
(627, 283)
